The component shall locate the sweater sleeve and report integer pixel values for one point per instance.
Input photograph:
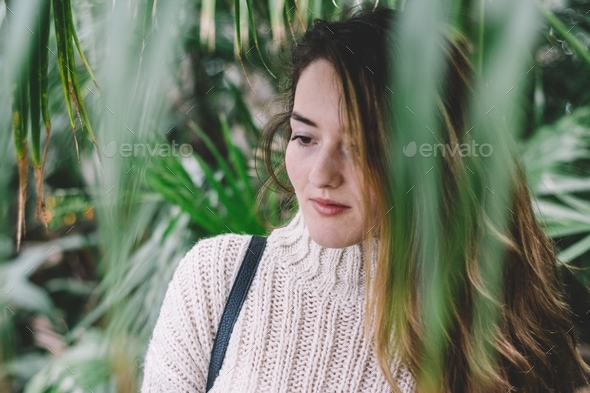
(177, 358)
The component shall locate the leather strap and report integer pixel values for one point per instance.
(233, 305)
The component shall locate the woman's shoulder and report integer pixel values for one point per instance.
(212, 262)
(190, 312)
(220, 248)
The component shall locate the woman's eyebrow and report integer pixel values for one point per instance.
(304, 120)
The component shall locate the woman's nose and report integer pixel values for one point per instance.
(327, 169)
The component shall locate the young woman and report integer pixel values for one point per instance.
(331, 308)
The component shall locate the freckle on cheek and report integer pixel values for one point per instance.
(287, 161)
(294, 168)
(291, 170)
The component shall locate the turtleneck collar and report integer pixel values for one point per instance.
(336, 272)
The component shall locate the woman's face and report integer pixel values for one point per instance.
(318, 162)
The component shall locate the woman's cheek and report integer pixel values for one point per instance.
(294, 164)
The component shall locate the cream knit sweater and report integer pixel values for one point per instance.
(299, 330)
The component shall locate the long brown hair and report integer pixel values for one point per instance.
(531, 346)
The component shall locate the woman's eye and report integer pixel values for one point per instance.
(303, 140)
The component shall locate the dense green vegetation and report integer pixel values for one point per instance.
(184, 90)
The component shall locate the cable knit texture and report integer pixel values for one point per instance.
(299, 330)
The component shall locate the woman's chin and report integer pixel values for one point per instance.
(331, 239)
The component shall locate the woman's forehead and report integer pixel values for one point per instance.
(318, 95)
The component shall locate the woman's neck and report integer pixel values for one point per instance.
(330, 272)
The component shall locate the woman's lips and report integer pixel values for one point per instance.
(328, 210)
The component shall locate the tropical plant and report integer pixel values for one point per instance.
(555, 159)
(27, 66)
(141, 214)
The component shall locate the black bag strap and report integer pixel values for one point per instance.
(233, 305)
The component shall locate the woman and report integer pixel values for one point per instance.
(321, 311)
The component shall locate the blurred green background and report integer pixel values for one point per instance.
(185, 88)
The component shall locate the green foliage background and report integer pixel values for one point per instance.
(90, 286)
